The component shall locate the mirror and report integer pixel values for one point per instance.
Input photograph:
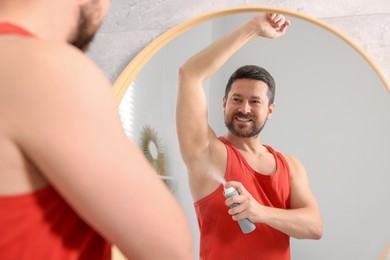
(152, 149)
(332, 112)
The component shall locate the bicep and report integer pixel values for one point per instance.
(301, 194)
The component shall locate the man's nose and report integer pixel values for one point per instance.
(245, 107)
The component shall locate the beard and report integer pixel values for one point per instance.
(84, 33)
(239, 131)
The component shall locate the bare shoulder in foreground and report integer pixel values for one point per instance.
(59, 126)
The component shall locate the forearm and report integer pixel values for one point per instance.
(209, 60)
(161, 232)
(303, 223)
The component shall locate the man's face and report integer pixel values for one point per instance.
(90, 18)
(246, 109)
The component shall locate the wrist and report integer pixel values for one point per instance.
(263, 214)
(250, 29)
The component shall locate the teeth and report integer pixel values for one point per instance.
(243, 119)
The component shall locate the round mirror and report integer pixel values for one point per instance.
(332, 112)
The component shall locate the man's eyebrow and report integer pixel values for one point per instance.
(252, 97)
(235, 95)
(255, 97)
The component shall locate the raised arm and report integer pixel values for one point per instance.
(75, 138)
(194, 133)
(197, 140)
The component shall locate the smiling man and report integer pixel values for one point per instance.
(273, 188)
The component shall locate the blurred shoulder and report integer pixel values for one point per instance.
(64, 60)
(46, 68)
(42, 75)
(40, 61)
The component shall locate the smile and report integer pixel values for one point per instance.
(243, 119)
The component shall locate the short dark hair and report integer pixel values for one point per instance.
(256, 73)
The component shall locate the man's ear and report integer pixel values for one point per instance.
(271, 109)
(224, 102)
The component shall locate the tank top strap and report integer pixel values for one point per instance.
(10, 28)
(280, 159)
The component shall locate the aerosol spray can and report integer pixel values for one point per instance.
(245, 224)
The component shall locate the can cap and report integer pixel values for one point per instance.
(229, 190)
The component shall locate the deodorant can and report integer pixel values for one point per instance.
(245, 224)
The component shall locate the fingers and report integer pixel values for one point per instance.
(242, 210)
(238, 186)
(242, 205)
(284, 26)
(237, 203)
(239, 216)
(277, 19)
(278, 22)
(237, 199)
(236, 211)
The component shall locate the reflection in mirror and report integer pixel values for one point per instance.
(332, 112)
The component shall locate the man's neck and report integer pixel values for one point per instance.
(246, 144)
(44, 22)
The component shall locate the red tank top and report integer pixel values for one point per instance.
(221, 237)
(41, 225)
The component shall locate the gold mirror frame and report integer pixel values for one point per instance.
(131, 71)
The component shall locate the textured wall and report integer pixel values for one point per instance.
(132, 24)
